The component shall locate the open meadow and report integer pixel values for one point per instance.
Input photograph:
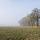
(18, 33)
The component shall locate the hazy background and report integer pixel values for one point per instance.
(11, 11)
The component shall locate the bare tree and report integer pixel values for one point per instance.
(35, 15)
(31, 19)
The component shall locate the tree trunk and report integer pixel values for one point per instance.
(37, 21)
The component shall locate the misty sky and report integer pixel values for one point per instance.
(11, 11)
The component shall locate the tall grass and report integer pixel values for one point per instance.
(19, 33)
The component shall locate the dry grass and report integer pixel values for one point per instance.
(19, 33)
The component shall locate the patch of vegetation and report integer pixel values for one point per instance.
(19, 33)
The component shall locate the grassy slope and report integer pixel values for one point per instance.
(19, 33)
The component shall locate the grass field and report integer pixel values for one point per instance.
(15, 33)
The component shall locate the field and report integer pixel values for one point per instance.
(16, 33)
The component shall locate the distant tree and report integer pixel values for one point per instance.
(32, 19)
(35, 16)
(25, 21)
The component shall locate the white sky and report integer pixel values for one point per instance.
(11, 11)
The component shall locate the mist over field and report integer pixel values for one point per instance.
(19, 19)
